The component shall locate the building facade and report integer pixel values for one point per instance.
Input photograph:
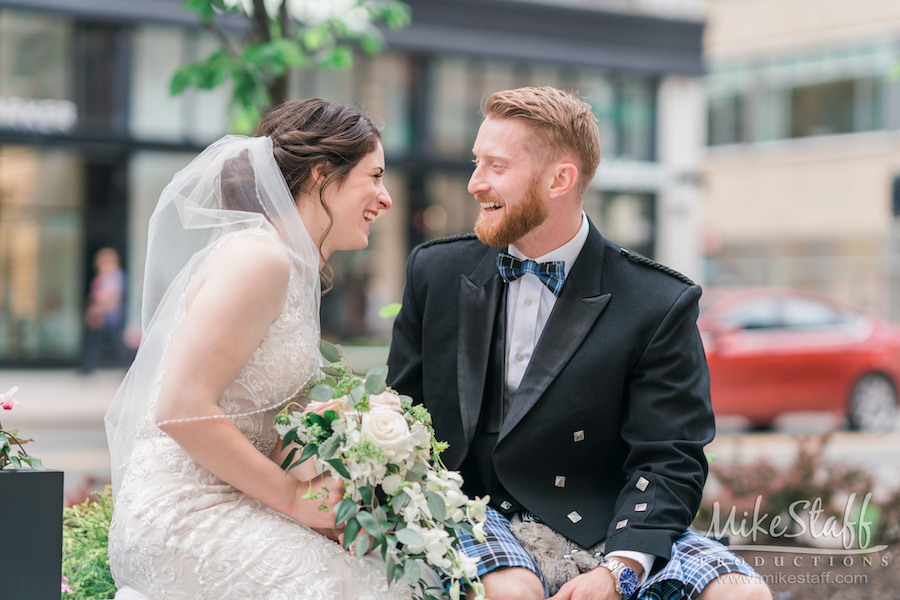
(804, 147)
(89, 136)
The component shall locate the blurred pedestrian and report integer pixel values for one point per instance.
(104, 315)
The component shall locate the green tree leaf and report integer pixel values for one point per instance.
(390, 310)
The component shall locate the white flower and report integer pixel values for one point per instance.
(463, 565)
(478, 531)
(391, 484)
(7, 401)
(476, 509)
(389, 430)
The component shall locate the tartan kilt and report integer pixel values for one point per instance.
(696, 560)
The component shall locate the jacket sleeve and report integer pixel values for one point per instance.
(405, 357)
(667, 422)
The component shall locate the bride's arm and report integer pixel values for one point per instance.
(230, 304)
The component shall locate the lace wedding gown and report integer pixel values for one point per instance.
(179, 532)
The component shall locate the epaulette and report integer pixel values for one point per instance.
(650, 263)
(452, 238)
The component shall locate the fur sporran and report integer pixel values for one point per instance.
(559, 558)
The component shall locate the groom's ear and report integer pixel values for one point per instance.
(564, 177)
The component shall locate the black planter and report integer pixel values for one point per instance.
(31, 534)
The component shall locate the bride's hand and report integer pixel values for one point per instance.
(308, 510)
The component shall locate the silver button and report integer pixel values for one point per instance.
(579, 435)
(506, 505)
(640, 507)
(574, 516)
(642, 483)
(519, 357)
(527, 301)
(560, 481)
(622, 524)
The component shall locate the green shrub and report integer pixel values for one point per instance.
(85, 542)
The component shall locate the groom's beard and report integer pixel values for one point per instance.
(518, 220)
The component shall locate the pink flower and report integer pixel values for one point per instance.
(385, 400)
(7, 401)
(65, 586)
(337, 404)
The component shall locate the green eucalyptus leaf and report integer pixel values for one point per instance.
(15, 461)
(330, 352)
(350, 532)
(345, 509)
(340, 468)
(410, 537)
(436, 505)
(366, 493)
(395, 570)
(290, 457)
(369, 523)
(321, 393)
(380, 371)
(331, 447)
(375, 384)
(412, 570)
(361, 545)
(399, 501)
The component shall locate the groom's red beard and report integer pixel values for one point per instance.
(518, 219)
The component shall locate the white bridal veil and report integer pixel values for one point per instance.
(233, 186)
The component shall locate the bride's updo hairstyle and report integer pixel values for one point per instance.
(306, 133)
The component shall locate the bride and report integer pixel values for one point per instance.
(230, 335)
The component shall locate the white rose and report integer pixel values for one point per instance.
(391, 484)
(389, 431)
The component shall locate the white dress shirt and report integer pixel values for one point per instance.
(528, 306)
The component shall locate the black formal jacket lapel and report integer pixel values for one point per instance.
(577, 308)
(479, 294)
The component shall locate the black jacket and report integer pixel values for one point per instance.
(616, 395)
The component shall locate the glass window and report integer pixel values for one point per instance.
(384, 92)
(34, 55)
(452, 97)
(41, 267)
(726, 120)
(598, 91)
(823, 109)
(758, 313)
(806, 312)
(628, 220)
(636, 110)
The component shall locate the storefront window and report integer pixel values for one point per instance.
(41, 232)
(34, 57)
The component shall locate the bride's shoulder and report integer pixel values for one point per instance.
(256, 263)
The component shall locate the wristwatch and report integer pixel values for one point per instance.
(626, 578)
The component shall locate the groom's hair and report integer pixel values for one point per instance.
(558, 122)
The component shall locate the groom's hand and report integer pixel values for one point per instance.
(597, 584)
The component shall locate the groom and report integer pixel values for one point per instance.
(567, 373)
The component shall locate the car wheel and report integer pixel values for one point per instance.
(873, 404)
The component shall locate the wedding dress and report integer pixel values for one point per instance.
(178, 531)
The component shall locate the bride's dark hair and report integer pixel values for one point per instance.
(306, 133)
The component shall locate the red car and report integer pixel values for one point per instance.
(776, 351)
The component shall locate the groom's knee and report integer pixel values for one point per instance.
(513, 583)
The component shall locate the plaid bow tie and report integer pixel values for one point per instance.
(552, 274)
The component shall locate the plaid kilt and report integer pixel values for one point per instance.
(696, 560)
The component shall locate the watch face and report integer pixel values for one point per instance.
(628, 581)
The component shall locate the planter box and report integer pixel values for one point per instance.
(31, 534)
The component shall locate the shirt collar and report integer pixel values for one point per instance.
(568, 252)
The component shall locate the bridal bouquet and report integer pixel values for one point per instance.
(399, 496)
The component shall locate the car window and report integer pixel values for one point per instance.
(808, 312)
(756, 313)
